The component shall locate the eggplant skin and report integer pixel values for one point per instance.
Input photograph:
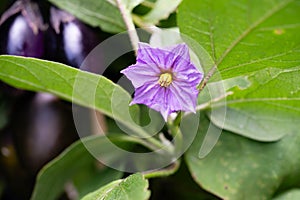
(78, 40)
(21, 40)
(42, 128)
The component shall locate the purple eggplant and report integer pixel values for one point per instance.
(22, 32)
(25, 34)
(76, 38)
(22, 41)
(42, 127)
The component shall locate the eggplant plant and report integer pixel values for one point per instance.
(150, 99)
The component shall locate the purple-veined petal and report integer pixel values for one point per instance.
(139, 74)
(181, 51)
(152, 95)
(162, 58)
(185, 95)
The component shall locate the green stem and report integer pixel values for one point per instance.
(150, 142)
(126, 15)
(163, 172)
(208, 104)
(207, 77)
(175, 131)
(148, 4)
(140, 23)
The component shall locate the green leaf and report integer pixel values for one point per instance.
(131, 4)
(179, 186)
(165, 37)
(133, 187)
(240, 168)
(102, 13)
(293, 194)
(67, 166)
(83, 88)
(256, 32)
(90, 179)
(243, 36)
(265, 111)
(161, 10)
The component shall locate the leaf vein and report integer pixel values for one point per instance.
(252, 27)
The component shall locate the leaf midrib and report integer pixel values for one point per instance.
(251, 28)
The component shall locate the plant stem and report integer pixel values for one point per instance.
(148, 4)
(133, 36)
(207, 104)
(207, 77)
(163, 172)
(150, 28)
(175, 132)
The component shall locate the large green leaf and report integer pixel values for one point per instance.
(243, 36)
(83, 88)
(75, 159)
(265, 111)
(102, 13)
(258, 40)
(240, 168)
(133, 187)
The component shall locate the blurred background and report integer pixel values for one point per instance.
(36, 127)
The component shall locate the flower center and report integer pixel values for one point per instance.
(165, 79)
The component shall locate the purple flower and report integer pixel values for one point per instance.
(164, 79)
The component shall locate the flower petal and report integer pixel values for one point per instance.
(139, 74)
(185, 96)
(162, 58)
(181, 51)
(189, 73)
(154, 96)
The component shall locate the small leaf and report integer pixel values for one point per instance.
(76, 158)
(133, 187)
(239, 168)
(89, 179)
(162, 9)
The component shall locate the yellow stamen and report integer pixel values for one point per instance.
(165, 79)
